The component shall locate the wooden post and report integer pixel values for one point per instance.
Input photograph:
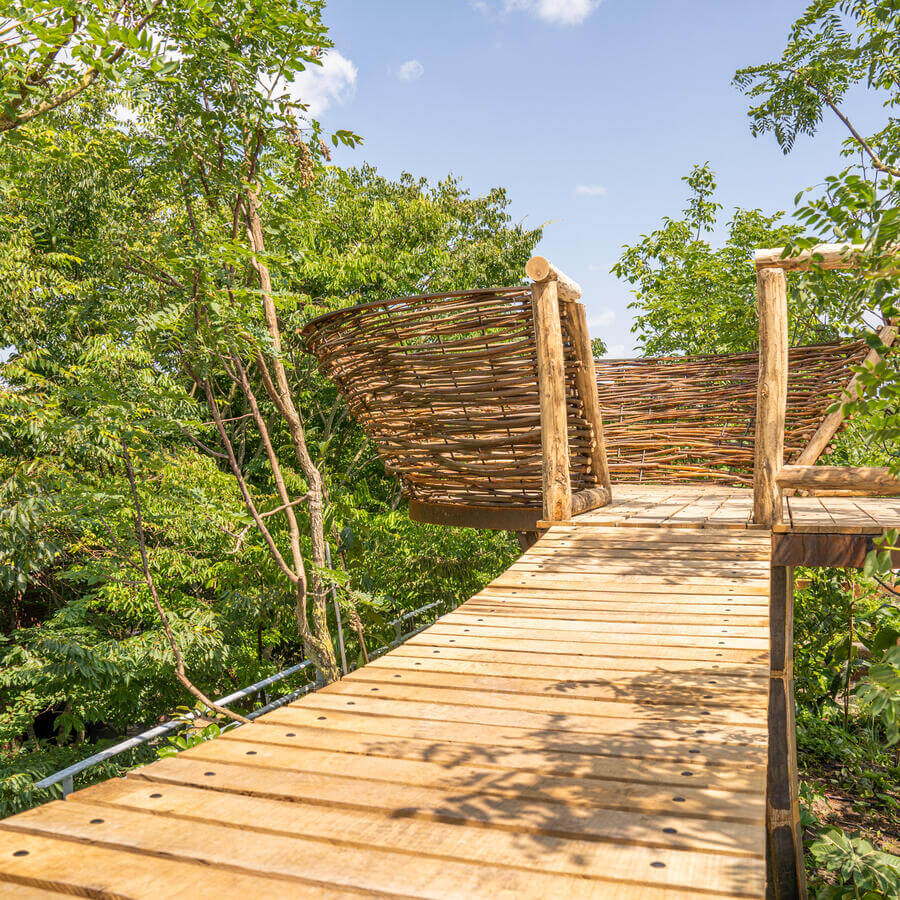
(771, 394)
(557, 487)
(785, 872)
(586, 381)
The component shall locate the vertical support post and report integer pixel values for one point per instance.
(552, 391)
(785, 871)
(586, 380)
(771, 394)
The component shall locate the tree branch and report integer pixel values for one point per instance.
(148, 578)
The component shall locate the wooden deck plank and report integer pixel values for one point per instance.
(658, 667)
(392, 777)
(523, 816)
(684, 744)
(625, 729)
(686, 869)
(526, 574)
(659, 687)
(738, 777)
(588, 626)
(591, 724)
(596, 651)
(584, 641)
(559, 704)
(543, 593)
(87, 869)
(437, 672)
(297, 860)
(662, 614)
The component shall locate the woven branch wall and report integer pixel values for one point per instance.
(446, 386)
(682, 419)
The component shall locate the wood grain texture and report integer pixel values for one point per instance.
(771, 394)
(551, 374)
(594, 734)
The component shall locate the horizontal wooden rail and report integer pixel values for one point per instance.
(822, 256)
(540, 270)
(859, 480)
(589, 499)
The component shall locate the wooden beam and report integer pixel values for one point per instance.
(822, 256)
(857, 480)
(557, 488)
(833, 421)
(786, 874)
(592, 498)
(586, 382)
(540, 269)
(771, 394)
(842, 551)
(496, 518)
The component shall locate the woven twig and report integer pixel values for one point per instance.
(446, 386)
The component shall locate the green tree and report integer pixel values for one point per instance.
(834, 46)
(86, 208)
(693, 298)
(50, 53)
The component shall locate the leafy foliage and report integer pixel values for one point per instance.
(862, 871)
(692, 298)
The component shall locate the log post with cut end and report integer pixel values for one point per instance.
(785, 872)
(557, 488)
(771, 395)
(541, 269)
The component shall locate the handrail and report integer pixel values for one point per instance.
(770, 475)
(67, 774)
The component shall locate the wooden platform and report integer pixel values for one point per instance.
(592, 724)
(688, 506)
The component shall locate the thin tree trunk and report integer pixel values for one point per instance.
(279, 391)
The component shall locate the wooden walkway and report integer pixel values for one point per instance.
(592, 724)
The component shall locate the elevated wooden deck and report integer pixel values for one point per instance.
(699, 506)
(592, 724)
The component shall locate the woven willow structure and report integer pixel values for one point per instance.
(681, 419)
(446, 387)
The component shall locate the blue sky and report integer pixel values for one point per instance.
(588, 113)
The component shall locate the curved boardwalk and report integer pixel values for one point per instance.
(592, 724)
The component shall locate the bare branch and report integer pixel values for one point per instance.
(148, 578)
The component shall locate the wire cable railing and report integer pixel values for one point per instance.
(66, 776)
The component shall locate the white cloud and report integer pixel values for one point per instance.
(321, 86)
(602, 319)
(555, 12)
(591, 190)
(481, 7)
(411, 70)
(616, 351)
